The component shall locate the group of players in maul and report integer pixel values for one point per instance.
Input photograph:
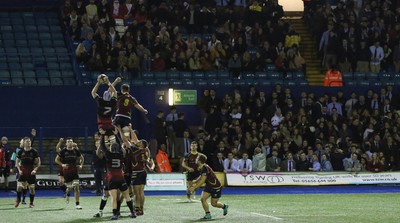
(127, 159)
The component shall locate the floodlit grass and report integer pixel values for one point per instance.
(351, 208)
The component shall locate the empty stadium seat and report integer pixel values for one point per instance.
(69, 81)
(214, 82)
(198, 75)
(358, 76)
(160, 75)
(30, 81)
(247, 75)
(3, 65)
(173, 75)
(16, 74)
(371, 76)
(147, 75)
(223, 74)
(67, 74)
(226, 82)
(66, 66)
(42, 74)
(53, 65)
(20, 36)
(56, 81)
(41, 81)
(4, 75)
(137, 83)
(188, 82)
(17, 81)
(186, 75)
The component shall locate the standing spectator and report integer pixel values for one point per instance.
(160, 131)
(363, 58)
(396, 58)
(179, 127)
(7, 165)
(91, 9)
(377, 56)
(245, 164)
(162, 161)
(235, 65)
(259, 160)
(345, 57)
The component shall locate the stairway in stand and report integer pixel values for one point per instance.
(308, 49)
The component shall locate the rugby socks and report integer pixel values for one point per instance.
(77, 203)
(102, 204)
(130, 205)
(224, 206)
(118, 205)
(188, 195)
(19, 195)
(24, 191)
(115, 212)
(31, 198)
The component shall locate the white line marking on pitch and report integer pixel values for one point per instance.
(268, 216)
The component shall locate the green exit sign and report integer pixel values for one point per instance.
(185, 97)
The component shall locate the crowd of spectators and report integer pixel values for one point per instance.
(357, 35)
(181, 35)
(283, 132)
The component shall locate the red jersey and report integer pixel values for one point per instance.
(27, 158)
(115, 166)
(139, 161)
(125, 104)
(212, 180)
(2, 158)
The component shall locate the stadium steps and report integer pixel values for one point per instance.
(308, 49)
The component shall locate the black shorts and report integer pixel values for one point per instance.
(70, 174)
(31, 179)
(215, 192)
(122, 121)
(5, 172)
(192, 176)
(120, 185)
(139, 178)
(128, 179)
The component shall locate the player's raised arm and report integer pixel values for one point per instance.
(116, 81)
(96, 87)
(140, 108)
(112, 85)
(134, 137)
(58, 146)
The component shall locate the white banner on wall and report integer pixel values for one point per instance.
(303, 179)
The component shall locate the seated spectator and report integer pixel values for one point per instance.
(363, 164)
(326, 164)
(292, 38)
(235, 65)
(158, 63)
(353, 164)
(82, 55)
(288, 165)
(316, 166)
(375, 164)
(162, 161)
(259, 160)
(245, 164)
(194, 61)
(303, 164)
(230, 164)
(274, 162)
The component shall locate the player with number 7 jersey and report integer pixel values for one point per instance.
(106, 105)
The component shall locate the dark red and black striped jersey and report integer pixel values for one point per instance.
(212, 180)
(190, 160)
(106, 109)
(70, 157)
(140, 157)
(27, 157)
(125, 104)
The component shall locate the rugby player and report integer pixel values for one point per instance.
(189, 163)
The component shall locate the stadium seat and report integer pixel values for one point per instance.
(67, 74)
(173, 75)
(137, 83)
(175, 83)
(47, 44)
(270, 67)
(9, 43)
(8, 36)
(274, 75)
(30, 81)
(4, 21)
(14, 65)
(3, 65)
(6, 28)
(201, 82)
(27, 66)
(347, 76)
(43, 81)
(57, 36)
(18, 29)
(251, 82)
(65, 66)
(58, 43)
(371, 76)
(16, 74)
(375, 83)
(45, 36)
(362, 83)
(198, 75)
(147, 75)
(43, 28)
(56, 29)
(17, 81)
(188, 82)
(247, 75)
(288, 75)
(61, 50)
(20, 36)
(56, 81)
(42, 74)
(21, 43)
(5, 82)
(69, 81)
(4, 75)
(261, 75)
(36, 50)
(160, 75)
(29, 74)
(150, 83)
(298, 75)
(358, 76)
(385, 76)
(186, 75)
(30, 28)
(395, 76)
(302, 82)
(224, 74)
(24, 50)
(211, 75)
(226, 82)
(33, 35)
(29, 21)
(52, 65)
(41, 21)
(214, 82)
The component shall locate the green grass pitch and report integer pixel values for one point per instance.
(319, 208)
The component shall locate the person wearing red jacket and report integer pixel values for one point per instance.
(162, 160)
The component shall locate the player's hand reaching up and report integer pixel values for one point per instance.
(102, 131)
(33, 132)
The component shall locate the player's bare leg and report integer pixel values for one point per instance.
(204, 198)
(77, 193)
(103, 203)
(20, 186)
(31, 195)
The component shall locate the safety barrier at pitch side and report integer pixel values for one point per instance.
(311, 179)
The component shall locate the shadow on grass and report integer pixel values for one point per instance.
(52, 209)
(107, 218)
(9, 208)
(203, 220)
